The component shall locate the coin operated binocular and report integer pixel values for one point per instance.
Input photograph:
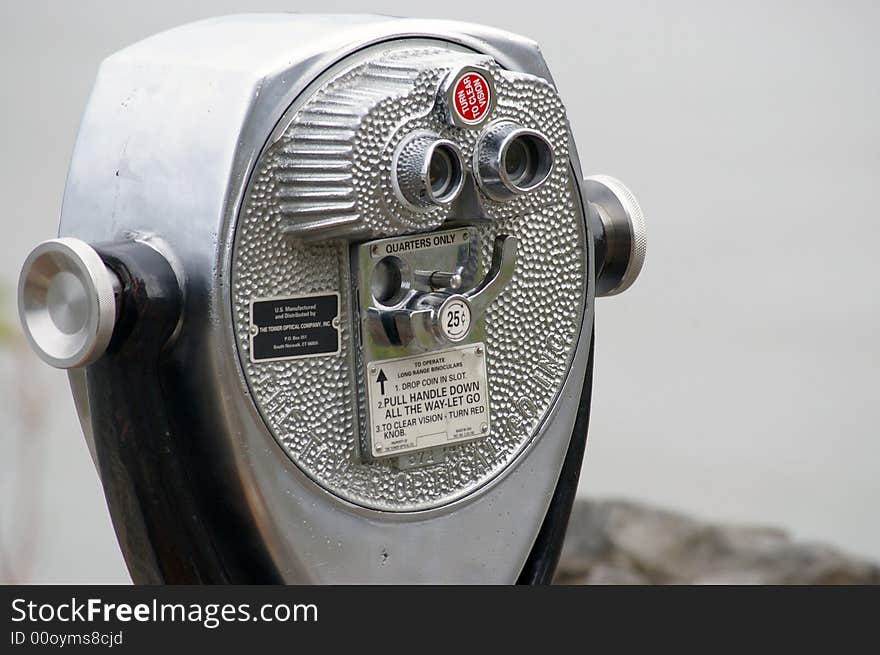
(324, 290)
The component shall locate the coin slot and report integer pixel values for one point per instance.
(390, 281)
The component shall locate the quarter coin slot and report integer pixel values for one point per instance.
(389, 283)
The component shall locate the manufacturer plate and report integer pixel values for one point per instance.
(428, 400)
(294, 326)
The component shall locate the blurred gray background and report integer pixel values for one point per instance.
(737, 380)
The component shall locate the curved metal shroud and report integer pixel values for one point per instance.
(148, 462)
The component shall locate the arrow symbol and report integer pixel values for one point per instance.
(381, 380)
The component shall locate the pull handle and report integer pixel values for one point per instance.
(499, 275)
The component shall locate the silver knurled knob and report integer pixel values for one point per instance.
(67, 302)
(625, 237)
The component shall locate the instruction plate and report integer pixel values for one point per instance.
(428, 400)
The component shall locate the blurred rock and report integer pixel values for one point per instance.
(617, 542)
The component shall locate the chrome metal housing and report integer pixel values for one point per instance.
(165, 154)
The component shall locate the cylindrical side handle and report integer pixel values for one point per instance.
(623, 239)
(67, 302)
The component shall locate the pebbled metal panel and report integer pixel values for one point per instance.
(311, 406)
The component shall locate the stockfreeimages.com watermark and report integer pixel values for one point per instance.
(208, 615)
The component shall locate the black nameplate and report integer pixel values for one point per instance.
(287, 328)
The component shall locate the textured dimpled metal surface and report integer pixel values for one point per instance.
(324, 184)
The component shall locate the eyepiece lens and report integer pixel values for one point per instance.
(444, 173)
(528, 160)
(518, 161)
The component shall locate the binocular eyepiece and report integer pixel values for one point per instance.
(511, 160)
(428, 171)
(327, 308)
(508, 160)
